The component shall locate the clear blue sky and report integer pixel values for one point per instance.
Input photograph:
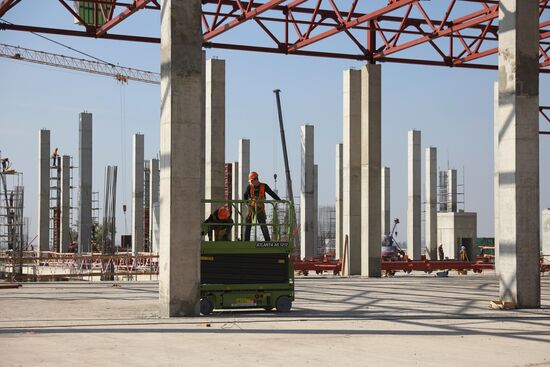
(452, 107)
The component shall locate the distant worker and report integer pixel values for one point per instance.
(463, 254)
(219, 223)
(255, 192)
(55, 155)
(440, 252)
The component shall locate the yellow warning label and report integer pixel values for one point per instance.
(207, 258)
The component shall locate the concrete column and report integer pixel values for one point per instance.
(155, 227)
(307, 223)
(137, 194)
(518, 152)
(235, 195)
(43, 239)
(385, 202)
(496, 132)
(430, 185)
(339, 243)
(413, 204)
(203, 135)
(65, 239)
(244, 170)
(316, 210)
(85, 182)
(545, 248)
(154, 182)
(215, 133)
(180, 157)
(352, 169)
(371, 163)
(452, 189)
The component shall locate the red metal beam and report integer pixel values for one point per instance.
(350, 24)
(6, 5)
(138, 5)
(247, 15)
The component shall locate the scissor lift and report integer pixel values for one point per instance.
(250, 274)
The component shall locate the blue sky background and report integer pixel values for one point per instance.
(452, 107)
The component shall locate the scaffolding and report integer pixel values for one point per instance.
(12, 222)
(55, 203)
(326, 228)
(146, 206)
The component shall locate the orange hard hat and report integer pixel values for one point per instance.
(252, 176)
(223, 213)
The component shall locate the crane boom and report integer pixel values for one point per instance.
(120, 73)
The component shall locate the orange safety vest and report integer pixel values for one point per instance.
(257, 205)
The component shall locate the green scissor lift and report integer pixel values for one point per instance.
(250, 274)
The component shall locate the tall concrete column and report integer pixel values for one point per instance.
(137, 194)
(452, 191)
(154, 186)
(180, 157)
(496, 132)
(430, 186)
(352, 169)
(413, 203)
(307, 246)
(545, 248)
(85, 182)
(235, 195)
(244, 170)
(386, 201)
(371, 164)
(518, 152)
(43, 239)
(215, 133)
(65, 239)
(316, 210)
(339, 243)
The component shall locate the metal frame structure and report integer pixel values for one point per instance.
(457, 33)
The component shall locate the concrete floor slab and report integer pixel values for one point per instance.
(399, 321)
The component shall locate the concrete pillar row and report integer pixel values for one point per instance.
(215, 133)
(351, 199)
(430, 186)
(65, 232)
(181, 146)
(85, 183)
(307, 222)
(339, 243)
(518, 153)
(137, 193)
(43, 190)
(371, 174)
(413, 203)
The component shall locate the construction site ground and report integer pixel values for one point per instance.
(406, 320)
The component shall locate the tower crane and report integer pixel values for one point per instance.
(120, 73)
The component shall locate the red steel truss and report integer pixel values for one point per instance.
(454, 33)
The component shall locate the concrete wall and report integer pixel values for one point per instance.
(430, 185)
(452, 228)
(386, 202)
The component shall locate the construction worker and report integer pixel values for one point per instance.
(220, 223)
(463, 254)
(440, 252)
(255, 192)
